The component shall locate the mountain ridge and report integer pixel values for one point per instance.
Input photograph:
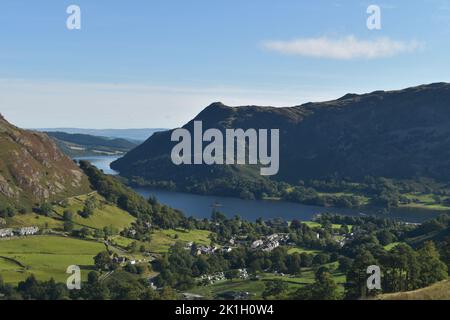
(402, 134)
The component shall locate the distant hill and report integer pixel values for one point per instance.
(33, 170)
(438, 291)
(134, 135)
(79, 145)
(395, 134)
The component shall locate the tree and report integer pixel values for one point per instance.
(385, 237)
(324, 288)
(356, 286)
(90, 205)
(432, 269)
(103, 261)
(293, 263)
(67, 215)
(445, 252)
(274, 288)
(232, 274)
(345, 264)
(46, 209)
(68, 226)
(84, 232)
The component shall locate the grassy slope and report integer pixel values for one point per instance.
(46, 257)
(438, 291)
(104, 216)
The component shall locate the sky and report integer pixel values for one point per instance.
(158, 63)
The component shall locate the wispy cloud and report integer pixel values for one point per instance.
(345, 48)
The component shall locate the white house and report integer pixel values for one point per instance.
(5, 233)
(28, 231)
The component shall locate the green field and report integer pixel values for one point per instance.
(391, 246)
(425, 201)
(335, 226)
(46, 257)
(104, 216)
(302, 250)
(32, 219)
(162, 240)
(256, 287)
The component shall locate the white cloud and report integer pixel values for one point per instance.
(345, 48)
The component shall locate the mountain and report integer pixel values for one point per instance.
(33, 170)
(395, 134)
(78, 145)
(133, 135)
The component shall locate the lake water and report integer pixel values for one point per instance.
(201, 206)
(101, 162)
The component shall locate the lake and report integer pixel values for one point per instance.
(200, 206)
(101, 162)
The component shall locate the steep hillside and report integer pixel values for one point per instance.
(397, 134)
(33, 170)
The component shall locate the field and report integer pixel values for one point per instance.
(335, 227)
(438, 291)
(32, 219)
(104, 216)
(425, 201)
(162, 240)
(256, 287)
(302, 250)
(45, 256)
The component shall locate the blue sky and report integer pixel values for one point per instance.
(158, 63)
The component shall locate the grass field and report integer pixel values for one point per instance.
(162, 240)
(32, 219)
(105, 216)
(45, 256)
(302, 250)
(335, 226)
